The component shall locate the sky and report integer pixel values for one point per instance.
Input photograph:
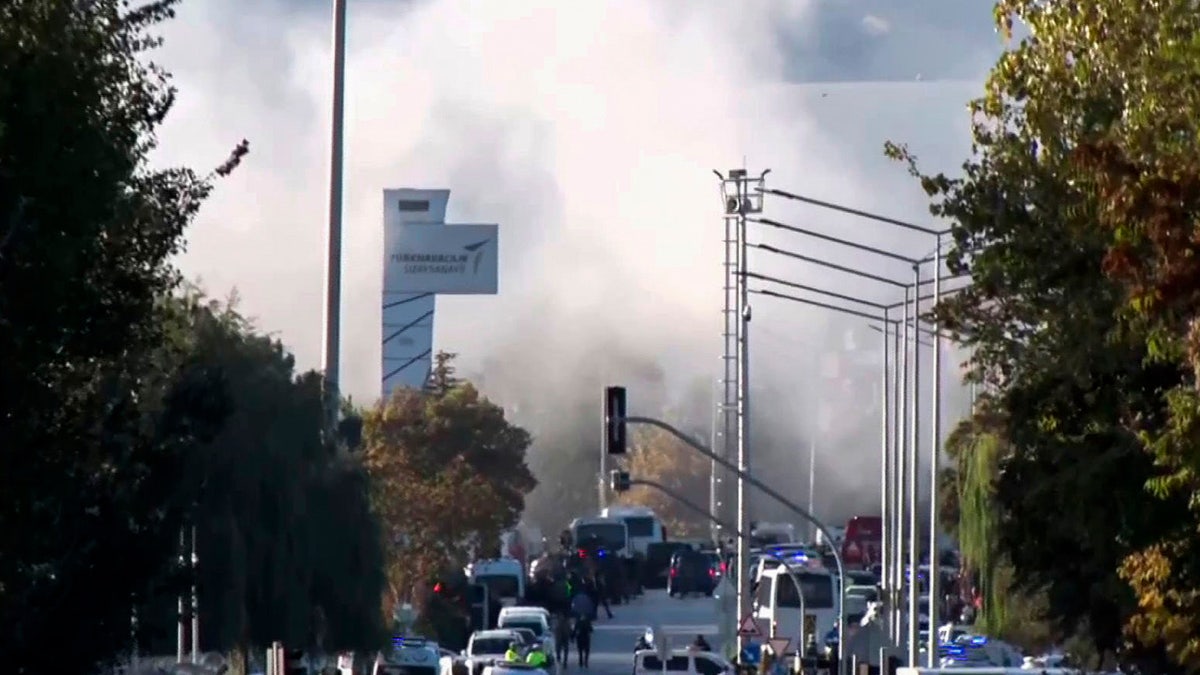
(589, 131)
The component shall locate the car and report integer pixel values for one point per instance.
(487, 647)
(524, 609)
(513, 669)
(681, 662)
(690, 572)
(535, 622)
(409, 656)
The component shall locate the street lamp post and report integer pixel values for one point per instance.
(333, 261)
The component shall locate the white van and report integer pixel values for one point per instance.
(641, 523)
(681, 662)
(504, 579)
(777, 603)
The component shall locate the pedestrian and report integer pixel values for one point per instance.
(599, 592)
(562, 639)
(583, 641)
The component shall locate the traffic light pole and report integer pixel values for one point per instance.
(618, 419)
(741, 535)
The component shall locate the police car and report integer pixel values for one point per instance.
(410, 656)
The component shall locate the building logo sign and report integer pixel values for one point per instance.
(450, 259)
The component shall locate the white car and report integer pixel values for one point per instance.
(682, 661)
(513, 669)
(524, 609)
(536, 622)
(487, 647)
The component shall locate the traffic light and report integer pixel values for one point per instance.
(614, 420)
(619, 481)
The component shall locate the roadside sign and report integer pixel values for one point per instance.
(749, 627)
(779, 645)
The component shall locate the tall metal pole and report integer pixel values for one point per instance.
(180, 608)
(743, 403)
(914, 467)
(195, 603)
(714, 519)
(935, 468)
(904, 583)
(333, 261)
(812, 480)
(885, 473)
(134, 648)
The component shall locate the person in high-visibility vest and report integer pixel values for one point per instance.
(513, 654)
(536, 657)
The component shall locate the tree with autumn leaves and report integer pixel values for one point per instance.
(655, 455)
(1076, 482)
(449, 475)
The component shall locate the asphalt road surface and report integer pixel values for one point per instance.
(682, 619)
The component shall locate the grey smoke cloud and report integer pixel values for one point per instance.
(590, 136)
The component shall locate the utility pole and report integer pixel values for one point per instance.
(195, 603)
(812, 481)
(181, 629)
(742, 197)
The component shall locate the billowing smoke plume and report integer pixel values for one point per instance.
(590, 135)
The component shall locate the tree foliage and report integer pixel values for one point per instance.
(449, 475)
(132, 411)
(1071, 383)
(655, 455)
(289, 546)
(94, 422)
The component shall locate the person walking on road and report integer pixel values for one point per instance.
(583, 641)
(562, 639)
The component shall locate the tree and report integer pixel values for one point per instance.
(1066, 376)
(449, 475)
(1140, 159)
(289, 546)
(657, 456)
(1120, 121)
(94, 425)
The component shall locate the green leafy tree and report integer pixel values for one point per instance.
(1138, 153)
(94, 424)
(1066, 376)
(290, 547)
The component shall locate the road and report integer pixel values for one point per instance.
(682, 619)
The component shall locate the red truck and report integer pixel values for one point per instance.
(863, 543)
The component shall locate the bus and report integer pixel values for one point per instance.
(785, 608)
(642, 524)
(611, 534)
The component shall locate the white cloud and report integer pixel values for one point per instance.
(876, 25)
(590, 135)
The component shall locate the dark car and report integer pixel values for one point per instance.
(691, 572)
(657, 564)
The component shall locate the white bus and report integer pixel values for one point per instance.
(610, 533)
(778, 604)
(642, 524)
